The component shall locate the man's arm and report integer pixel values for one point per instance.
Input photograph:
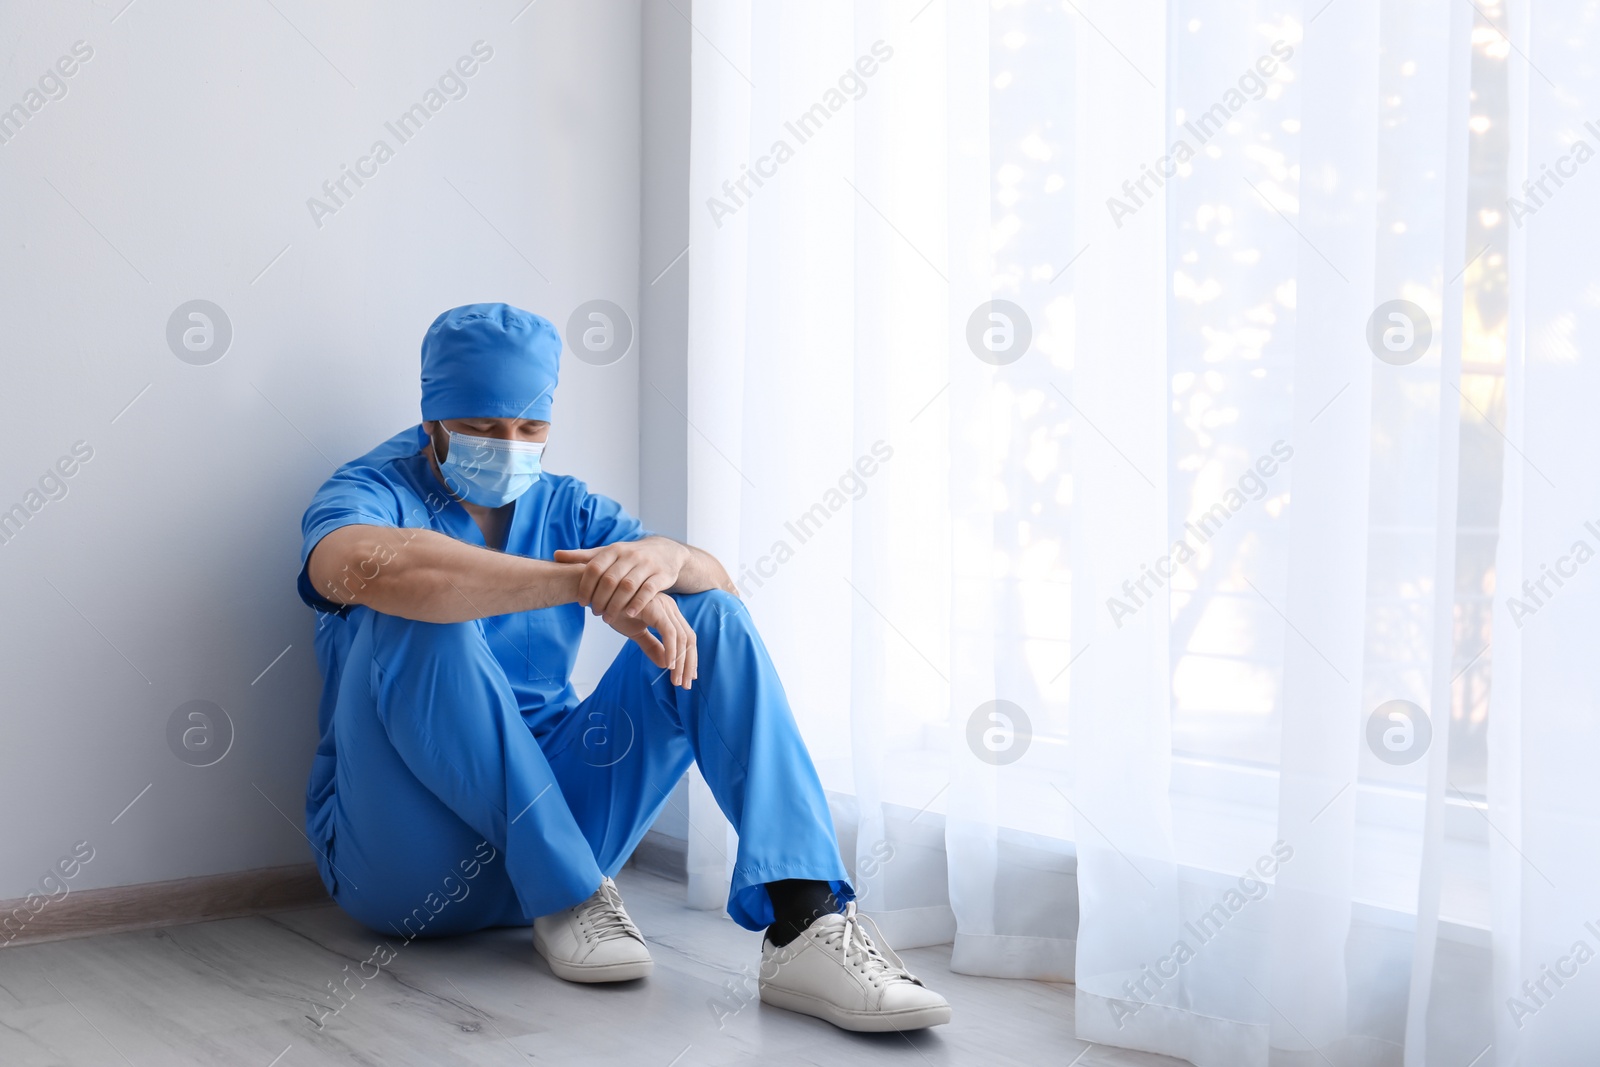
(430, 577)
(701, 571)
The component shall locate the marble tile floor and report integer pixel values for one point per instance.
(248, 992)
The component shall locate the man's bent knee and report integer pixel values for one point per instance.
(712, 608)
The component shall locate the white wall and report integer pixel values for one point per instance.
(177, 166)
(664, 269)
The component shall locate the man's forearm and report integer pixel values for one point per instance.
(701, 571)
(430, 577)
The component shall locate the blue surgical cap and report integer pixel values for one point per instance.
(483, 361)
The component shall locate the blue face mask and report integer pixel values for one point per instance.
(488, 471)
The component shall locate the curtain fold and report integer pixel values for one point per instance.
(1543, 718)
(1447, 114)
(1121, 726)
(1306, 999)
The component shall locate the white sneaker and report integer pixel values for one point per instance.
(834, 971)
(594, 941)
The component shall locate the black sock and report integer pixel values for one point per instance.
(797, 904)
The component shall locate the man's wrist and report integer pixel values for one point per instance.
(569, 578)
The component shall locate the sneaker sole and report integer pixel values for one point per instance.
(594, 974)
(870, 1022)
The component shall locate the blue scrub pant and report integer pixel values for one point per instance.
(451, 816)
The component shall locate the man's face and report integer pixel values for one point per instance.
(505, 429)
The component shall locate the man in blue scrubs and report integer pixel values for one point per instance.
(460, 783)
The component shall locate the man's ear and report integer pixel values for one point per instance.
(431, 427)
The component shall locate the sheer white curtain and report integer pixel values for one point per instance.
(1080, 390)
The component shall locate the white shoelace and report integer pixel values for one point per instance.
(604, 915)
(850, 940)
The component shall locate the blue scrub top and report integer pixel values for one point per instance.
(394, 485)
